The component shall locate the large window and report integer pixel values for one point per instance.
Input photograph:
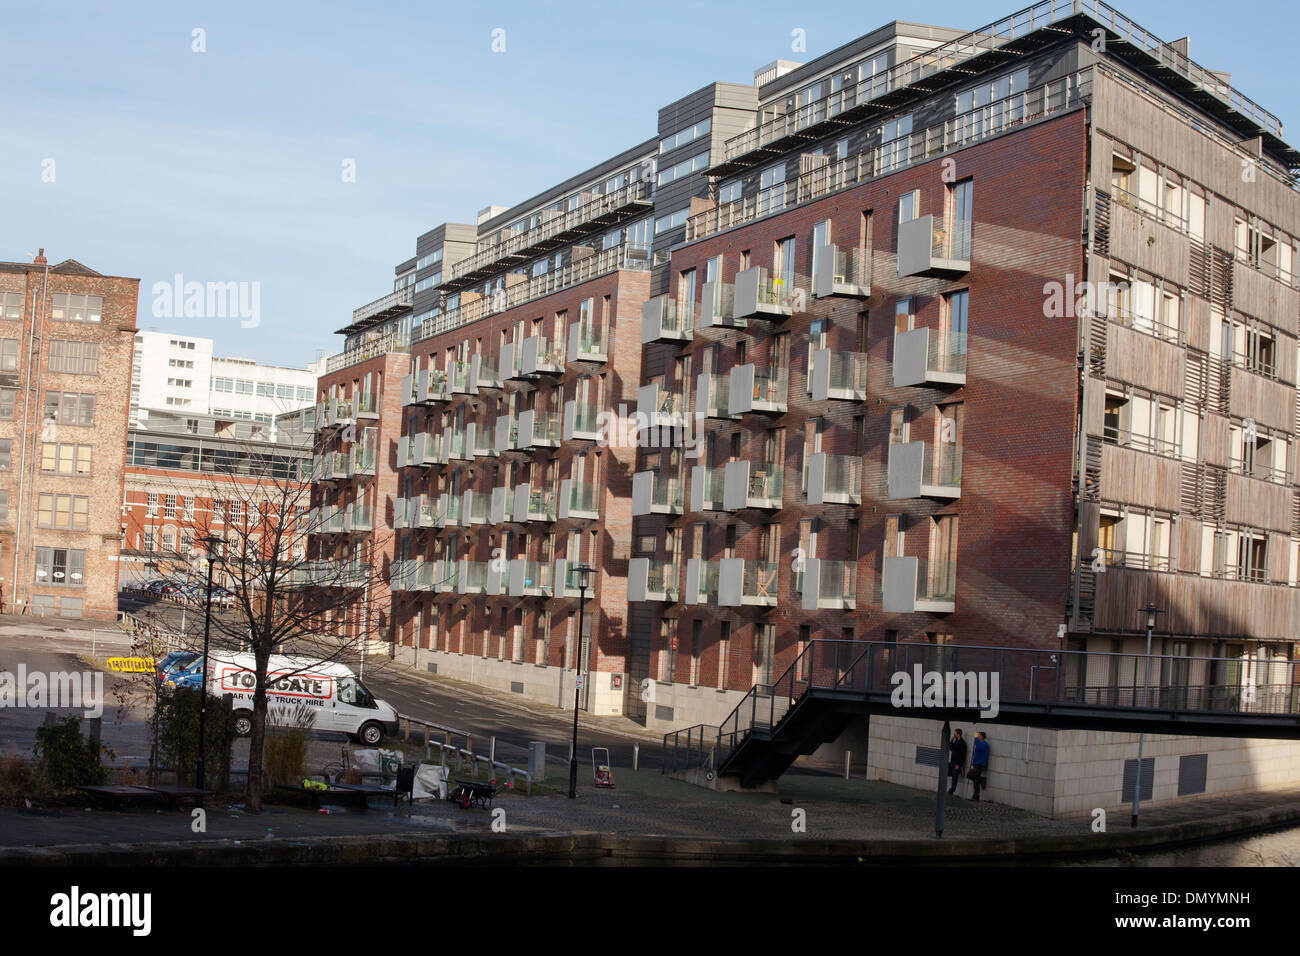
(64, 459)
(68, 512)
(70, 408)
(61, 567)
(6, 453)
(7, 396)
(8, 355)
(11, 305)
(894, 136)
(771, 195)
(682, 137)
(684, 168)
(65, 307)
(76, 358)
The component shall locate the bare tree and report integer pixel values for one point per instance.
(288, 586)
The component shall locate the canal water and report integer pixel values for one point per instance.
(1279, 848)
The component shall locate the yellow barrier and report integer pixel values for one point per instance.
(139, 665)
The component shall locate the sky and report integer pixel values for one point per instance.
(300, 148)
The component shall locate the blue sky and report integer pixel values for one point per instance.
(225, 165)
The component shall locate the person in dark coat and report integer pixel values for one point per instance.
(956, 759)
(979, 764)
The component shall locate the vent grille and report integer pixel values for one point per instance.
(1191, 773)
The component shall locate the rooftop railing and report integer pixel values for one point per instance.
(393, 341)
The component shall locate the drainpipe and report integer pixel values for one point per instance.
(33, 370)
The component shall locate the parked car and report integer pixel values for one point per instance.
(173, 661)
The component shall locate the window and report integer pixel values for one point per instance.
(304, 393)
(4, 505)
(151, 504)
(672, 220)
(169, 506)
(64, 459)
(11, 305)
(958, 211)
(70, 408)
(771, 195)
(6, 453)
(266, 389)
(909, 206)
(730, 192)
(68, 512)
(61, 567)
(894, 137)
(667, 649)
(8, 355)
(682, 137)
(75, 358)
(223, 385)
(684, 168)
(987, 108)
(243, 387)
(7, 402)
(65, 307)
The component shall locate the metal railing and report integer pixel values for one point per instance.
(392, 341)
(1158, 684)
(385, 303)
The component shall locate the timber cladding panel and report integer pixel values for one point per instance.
(1258, 504)
(1140, 478)
(1148, 244)
(1204, 606)
(1145, 360)
(1266, 401)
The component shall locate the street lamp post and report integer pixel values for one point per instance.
(1151, 611)
(211, 542)
(584, 579)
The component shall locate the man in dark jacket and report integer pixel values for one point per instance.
(979, 764)
(956, 759)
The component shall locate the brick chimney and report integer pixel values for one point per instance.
(40, 259)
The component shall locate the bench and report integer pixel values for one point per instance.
(173, 794)
(468, 794)
(117, 794)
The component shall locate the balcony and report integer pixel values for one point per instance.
(331, 520)
(916, 584)
(567, 580)
(450, 506)
(651, 580)
(400, 511)
(511, 362)
(336, 466)
(435, 450)
(481, 577)
(928, 247)
(542, 356)
(497, 512)
(845, 273)
(654, 493)
(460, 442)
(713, 394)
(707, 487)
(538, 429)
(426, 573)
(425, 387)
(533, 504)
(579, 500)
(401, 575)
(745, 485)
(445, 577)
(529, 578)
(754, 390)
(839, 375)
(410, 449)
(485, 441)
(659, 408)
(718, 307)
(367, 406)
(360, 517)
(743, 582)
(507, 434)
(929, 357)
(483, 372)
(395, 341)
(701, 581)
(827, 584)
(587, 344)
(459, 381)
(761, 296)
(475, 508)
(582, 422)
(364, 454)
(921, 470)
(663, 321)
(834, 480)
(430, 512)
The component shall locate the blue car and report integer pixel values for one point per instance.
(190, 675)
(173, 661)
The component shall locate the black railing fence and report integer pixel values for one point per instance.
(971, 677)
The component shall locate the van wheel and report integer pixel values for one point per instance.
(371, 734)
(243, 723)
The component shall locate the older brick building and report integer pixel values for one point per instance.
(865, 302)
(66, 338)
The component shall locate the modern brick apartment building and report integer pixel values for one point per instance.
(863, 297)
(66, 335)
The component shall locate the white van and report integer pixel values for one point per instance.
(340, 701)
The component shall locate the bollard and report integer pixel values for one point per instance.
(848, 760)
(492, 751)
(536, 760)
(636, 756)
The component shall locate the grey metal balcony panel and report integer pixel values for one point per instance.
(520, 510)
(503, 434)
(824, 278)
(499, 505)
(812, 575)
(740, 396)
(911, 349)
(898, 585)
(735, 486)
(643, 483)
(462, 577)
(562, 507)
(906, 462)
(471, 436)
(816, 478)
(746, 292)
(731, 582)
(406, 390)
(697, 489)
(694, 572)
(518, 570)
(650, 321)
(573, 340)
(570, 416)
(526, 420)
(915, 238)
(495, 578)
(638, 577)
(508, 362)
(820, 378)
(647, 403)
(466, 507)
(528, 357)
